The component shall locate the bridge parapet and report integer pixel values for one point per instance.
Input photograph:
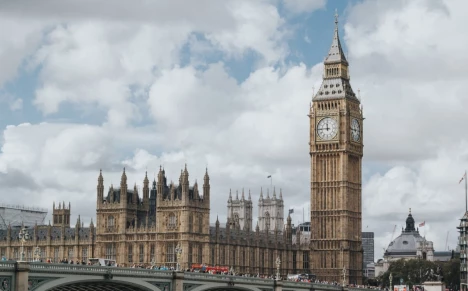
(310, 286)
(95, 270)
(45, 276)
(224, 278)
(7, 265)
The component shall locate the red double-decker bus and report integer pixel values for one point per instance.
(210, 269)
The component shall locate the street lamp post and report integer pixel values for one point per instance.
(278, 264)
(178, 251)
(344, 276)
(391, 280)
(23, 236)
(37, 254)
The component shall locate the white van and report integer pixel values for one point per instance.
(102, 262)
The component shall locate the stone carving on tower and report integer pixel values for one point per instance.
(336, 150)
(182, 217)
(240, 211)
(61, 214)
(271, 212)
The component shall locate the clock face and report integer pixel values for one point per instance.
(355, 130)
(327, 128)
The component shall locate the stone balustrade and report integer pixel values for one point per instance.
(16, 273)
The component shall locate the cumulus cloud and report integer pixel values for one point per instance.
(13, 102)
(404, 58)
(303, 6)
(131, 64)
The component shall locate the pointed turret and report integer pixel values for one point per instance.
(268, 193)
(243, 197)
(335, 54)
(335, 83)
(288, 230)
(206, 187)
(146, 189)
(185, 182)
(111, 194)
(217, 229)
(135, 194)
(123, 179)
(160, 175)
(161, 184)
(281, 194)
(237, 195)
(261, 193)
(230, 196)
(123, 188)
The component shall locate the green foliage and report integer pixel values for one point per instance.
(415, 272)
(451, 270)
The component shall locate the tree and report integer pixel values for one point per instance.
(416, 271)
(451, 271)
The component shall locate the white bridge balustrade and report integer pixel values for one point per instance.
(24, 276)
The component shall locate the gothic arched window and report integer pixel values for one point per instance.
(267, 220)
(110, 222)
(236, 220)
(200, 223)
(172, 221)
(190, 222)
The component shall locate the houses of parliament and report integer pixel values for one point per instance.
(145, 228)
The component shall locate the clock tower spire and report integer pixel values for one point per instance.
(336, 150)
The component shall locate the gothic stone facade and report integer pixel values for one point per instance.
(182, 216)
(336, 150)
(133, 228)
(127, 232)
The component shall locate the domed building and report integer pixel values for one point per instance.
(410, 244)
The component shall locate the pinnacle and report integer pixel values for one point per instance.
(335, 54)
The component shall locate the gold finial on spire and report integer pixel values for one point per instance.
(336, 16)
(410, 210)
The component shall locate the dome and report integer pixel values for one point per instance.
(405, 244)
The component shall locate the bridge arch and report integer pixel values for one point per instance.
(223, 287)
(99, 285)
(93, 284)
(228, 288)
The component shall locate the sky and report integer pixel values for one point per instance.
(227, 85)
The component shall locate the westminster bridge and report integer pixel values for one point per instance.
(24, 276)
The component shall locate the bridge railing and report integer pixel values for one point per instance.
(7, 265)
(85, 269)
(358, 289)
(224, 278)
(314, 285)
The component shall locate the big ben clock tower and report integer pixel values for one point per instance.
(336, 149)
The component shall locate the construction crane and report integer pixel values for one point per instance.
(446, 241)
(393, 233)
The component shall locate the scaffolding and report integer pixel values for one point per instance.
(16, 215)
